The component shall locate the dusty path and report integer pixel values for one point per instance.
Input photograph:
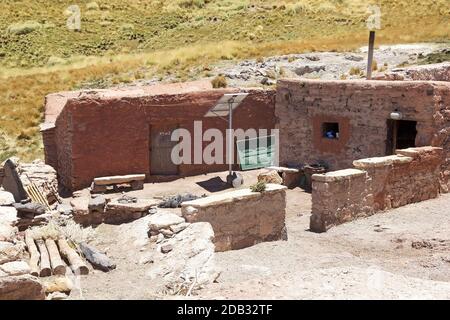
(403, 253)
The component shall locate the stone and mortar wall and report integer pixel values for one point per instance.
(16, 282)
(241, 218)
(361, 108)
(103, 135)
(375, 184)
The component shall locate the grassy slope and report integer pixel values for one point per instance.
(127, 40)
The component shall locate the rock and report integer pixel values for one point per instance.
(7, 233)
(8, 216)
(6, 198)
(353, 57)
(166, 248)
(192, 257)
(270, 176)
(176, 201)
(57, 284)
(57, 296)
(15, 268)
(29, 210)
(179, 227)
(147, 258)
(97, 203)
(65, 209)
(98, 259)
(9, 252)
(24, 287)
(153, 210)
(160, 238)
(163, 220)
(300, 71)
(167, 233)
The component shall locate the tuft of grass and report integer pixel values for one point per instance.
(260, 186)
(219, 82)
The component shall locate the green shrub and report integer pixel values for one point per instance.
(260, 186)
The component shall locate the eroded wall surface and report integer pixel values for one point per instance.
(100, 134)
(361, 108)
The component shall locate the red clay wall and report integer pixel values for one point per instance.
(110, 135)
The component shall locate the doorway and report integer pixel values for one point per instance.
(401, 135)
(161, 149)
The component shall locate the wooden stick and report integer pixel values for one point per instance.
(76, 263)
(58, 266)
(45, 261)
(34, 253)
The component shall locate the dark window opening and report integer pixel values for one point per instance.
(330, 130)
(401, 135)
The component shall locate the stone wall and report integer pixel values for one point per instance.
(103, 134)
(16, 282)
(381, 183)
(241, 218)
(361, 108)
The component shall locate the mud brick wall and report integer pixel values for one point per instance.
(50, 147)
(101, 135)
(241, 218)
(361, 108)
(379, 183)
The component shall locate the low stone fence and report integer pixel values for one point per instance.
(241, 218)
(381, 183)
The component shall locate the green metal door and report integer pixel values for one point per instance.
(256, 153)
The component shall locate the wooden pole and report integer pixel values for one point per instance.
(370, 55)
(58, 266)
(76, 263)
(34, 253)
(45, 261)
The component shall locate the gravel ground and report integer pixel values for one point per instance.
(402, 253)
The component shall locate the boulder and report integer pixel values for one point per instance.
(29, 210)
(15, 268)
(7, 232)
(8, 216)
(164, 220)
(6, 198)
(125, 209)
(24, 287)
(191, 259)
(9, 252)
(270, 176)
(96, 203)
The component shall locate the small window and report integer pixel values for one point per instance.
(330, 130)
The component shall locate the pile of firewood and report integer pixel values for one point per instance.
(50, 255)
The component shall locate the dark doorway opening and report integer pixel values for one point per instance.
(401, 135)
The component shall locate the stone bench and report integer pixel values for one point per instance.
(241, 218)
(101, 184)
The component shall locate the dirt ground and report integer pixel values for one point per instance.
(399, 254)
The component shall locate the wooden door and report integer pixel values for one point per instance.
(160, 151)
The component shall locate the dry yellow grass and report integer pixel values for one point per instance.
(298, 26)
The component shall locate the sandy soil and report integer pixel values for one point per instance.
(403, 253)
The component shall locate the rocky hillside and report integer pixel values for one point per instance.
(43, 50)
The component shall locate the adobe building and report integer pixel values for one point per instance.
(88, 134)
(366, 119)
(331, 123)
